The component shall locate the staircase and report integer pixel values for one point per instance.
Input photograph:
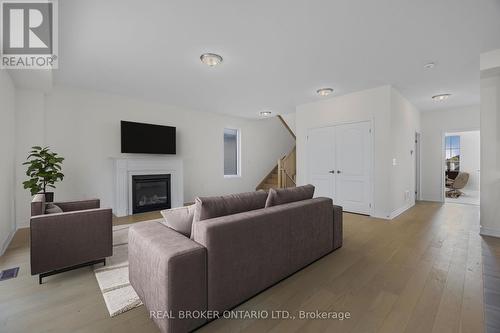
(270, 181)
(284, 173)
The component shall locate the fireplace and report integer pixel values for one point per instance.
(129, 166)
(150, 193)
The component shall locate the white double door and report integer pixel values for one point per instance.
(340, 165)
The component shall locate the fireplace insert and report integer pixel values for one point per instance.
(150, 193)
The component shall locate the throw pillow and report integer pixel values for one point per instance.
(50, 208)
(179, 219)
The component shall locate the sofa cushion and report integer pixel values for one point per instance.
(211, 207)
(50, 208)
(179, 219)
(285, 195)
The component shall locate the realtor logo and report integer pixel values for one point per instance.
(29, 34)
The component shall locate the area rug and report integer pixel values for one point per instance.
(117, 292)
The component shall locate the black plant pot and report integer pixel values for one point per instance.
(49, 196)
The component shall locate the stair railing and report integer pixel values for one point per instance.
(287, 169)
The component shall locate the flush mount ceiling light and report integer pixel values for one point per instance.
(265, 113)
(211, 59)
(429, 65)
(324, 91)
(441, 97)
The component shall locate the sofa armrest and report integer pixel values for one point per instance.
(66, 239)
(169, 273)
(337, 227)
(71, 206)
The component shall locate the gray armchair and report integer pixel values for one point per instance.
(79, 236)
(454, 186)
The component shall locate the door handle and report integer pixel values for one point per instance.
(331, 171)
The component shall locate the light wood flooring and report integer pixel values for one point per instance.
(421, 272)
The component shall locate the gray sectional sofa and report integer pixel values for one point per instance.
(239, 245)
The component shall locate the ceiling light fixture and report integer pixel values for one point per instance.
(211, 59)
(429, 65)
(441, 97)
(324, 91)
(265, 113)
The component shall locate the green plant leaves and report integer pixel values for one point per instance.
(44, 169)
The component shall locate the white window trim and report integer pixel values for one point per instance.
(238, 153)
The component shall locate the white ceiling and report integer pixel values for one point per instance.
(276, 52)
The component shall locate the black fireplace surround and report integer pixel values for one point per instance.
(150, 193)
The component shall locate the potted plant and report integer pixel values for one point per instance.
(44, 170)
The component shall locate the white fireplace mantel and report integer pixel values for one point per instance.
(126, 167)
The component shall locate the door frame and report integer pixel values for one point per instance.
(418, 165)
(372, 154)
(443, 155)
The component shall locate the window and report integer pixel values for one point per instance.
(231, 152)
(452, 150)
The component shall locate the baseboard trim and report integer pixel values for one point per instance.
(7, 241)
(489, 232)
(23, 225)
(382, 217)
(400, 210)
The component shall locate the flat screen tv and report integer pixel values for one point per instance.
(147, 138)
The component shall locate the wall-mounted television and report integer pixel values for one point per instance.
(142, 138)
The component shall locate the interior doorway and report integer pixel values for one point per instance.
(462, 167)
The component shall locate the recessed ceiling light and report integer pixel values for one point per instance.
(265, 113)
(441, 97)
(429, 65)
(211, 59)
(324, 91)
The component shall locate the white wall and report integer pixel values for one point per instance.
(489, 62)
(30, 129)
(405, 122)
(470, 157)
(7, 153)
(434, 126)
(290, 120)
(393, 119)
(84, 127)
(490, 147)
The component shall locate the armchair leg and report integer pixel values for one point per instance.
(57, 271)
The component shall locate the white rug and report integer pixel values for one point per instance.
(113, 278)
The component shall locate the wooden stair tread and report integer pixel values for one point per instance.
(283, 174)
